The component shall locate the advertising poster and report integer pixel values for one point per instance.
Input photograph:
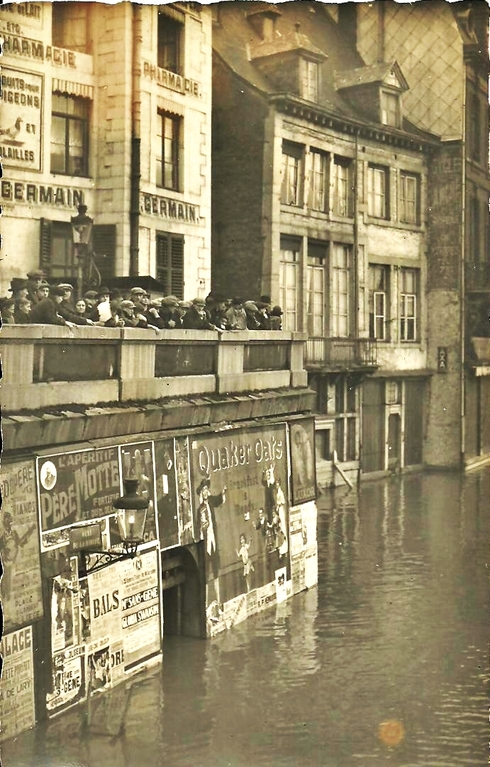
(184, 495)
(21, 119)
(168, 521)
(140, 608)
(125, 607)
(137, 461)
(239, 487)
(296, 530)
(302, 446)
(311, 566)
(298, 572)
(309, 527)
(68, 685)
(75, 487)
(17, 712)
(19, 546)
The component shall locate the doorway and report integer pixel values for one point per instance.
(183, 600)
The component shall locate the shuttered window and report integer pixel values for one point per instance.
(57, 256)
(170, 263)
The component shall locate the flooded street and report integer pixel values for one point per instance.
(385, 662)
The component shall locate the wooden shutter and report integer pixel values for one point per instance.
(45, 246)
(104, 248)
(170, 263)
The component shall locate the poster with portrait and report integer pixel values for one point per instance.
(75, 487)
(302, 453)
(19, 546)
(184, 495)
(239, 487)
(166, 487)
(137, 461)
(17, 711)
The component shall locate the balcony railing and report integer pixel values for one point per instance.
(48, 366)
(340, 352)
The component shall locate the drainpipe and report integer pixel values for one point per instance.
(462, 298)
(134, 212)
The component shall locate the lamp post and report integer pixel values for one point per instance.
(81, 227)
(131, 510)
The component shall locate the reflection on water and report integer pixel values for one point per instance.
(395, 634)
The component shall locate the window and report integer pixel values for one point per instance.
(390, 109)
(170, 263)
(70, 26)
(309, 80)
(170, 38)
(57, 258)
(408, 304)
(69, 135)
(409, 203)
(318, 180)
(346, 420)
(168, 165)
(342, 187)
(322, 444)
(316, 288)
(378, 302)
(378, 191)
(289, 281)
(292, 171)
(341, 309)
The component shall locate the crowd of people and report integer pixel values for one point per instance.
(35, 301)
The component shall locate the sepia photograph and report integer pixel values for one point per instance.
(245, 417)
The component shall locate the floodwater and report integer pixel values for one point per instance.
(384, 663)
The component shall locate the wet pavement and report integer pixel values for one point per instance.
(384, 663)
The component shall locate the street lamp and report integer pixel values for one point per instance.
(81, 227)
(131, 510)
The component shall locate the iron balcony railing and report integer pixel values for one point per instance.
(341, 352)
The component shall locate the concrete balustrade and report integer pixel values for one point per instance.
(46, 366)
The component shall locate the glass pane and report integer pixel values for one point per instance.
(58, 135)
(76, 158)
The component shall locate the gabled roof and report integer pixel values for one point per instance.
(286, 43)
(384, 73)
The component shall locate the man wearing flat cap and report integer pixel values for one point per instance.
(196, 318)
(34, 280)
(207, 527)
(46, 312)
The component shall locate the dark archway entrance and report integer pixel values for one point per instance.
(183, 594)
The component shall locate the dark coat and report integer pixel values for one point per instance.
(46, 313)
(193, 321)
(67, 311)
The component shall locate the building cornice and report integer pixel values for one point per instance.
(318, 115)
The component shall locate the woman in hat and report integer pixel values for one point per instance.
(7, 308)
(34, 279)
(18, 288)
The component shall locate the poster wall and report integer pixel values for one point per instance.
(21, 120)
(17, 712)
(19, 546)
(239, 487)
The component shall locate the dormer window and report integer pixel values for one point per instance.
(309, 80)
(390, 109)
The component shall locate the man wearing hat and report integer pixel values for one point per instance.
(170, 314)
(42, 291)
(18, 288)
(34, 279)
(46, 311)
(196, 318)
(208, 533)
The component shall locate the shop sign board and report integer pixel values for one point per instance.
(21, 119)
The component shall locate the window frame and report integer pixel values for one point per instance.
(342, 202)
(319, 181)
(289, 296)
(310, 80)
(408, 306)
(292, 159)
(403, 201)
(388, 97)
(69, 119)
(166, 17)
(341, 322)
(170, 275)
(174, 163)
(378, 201)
